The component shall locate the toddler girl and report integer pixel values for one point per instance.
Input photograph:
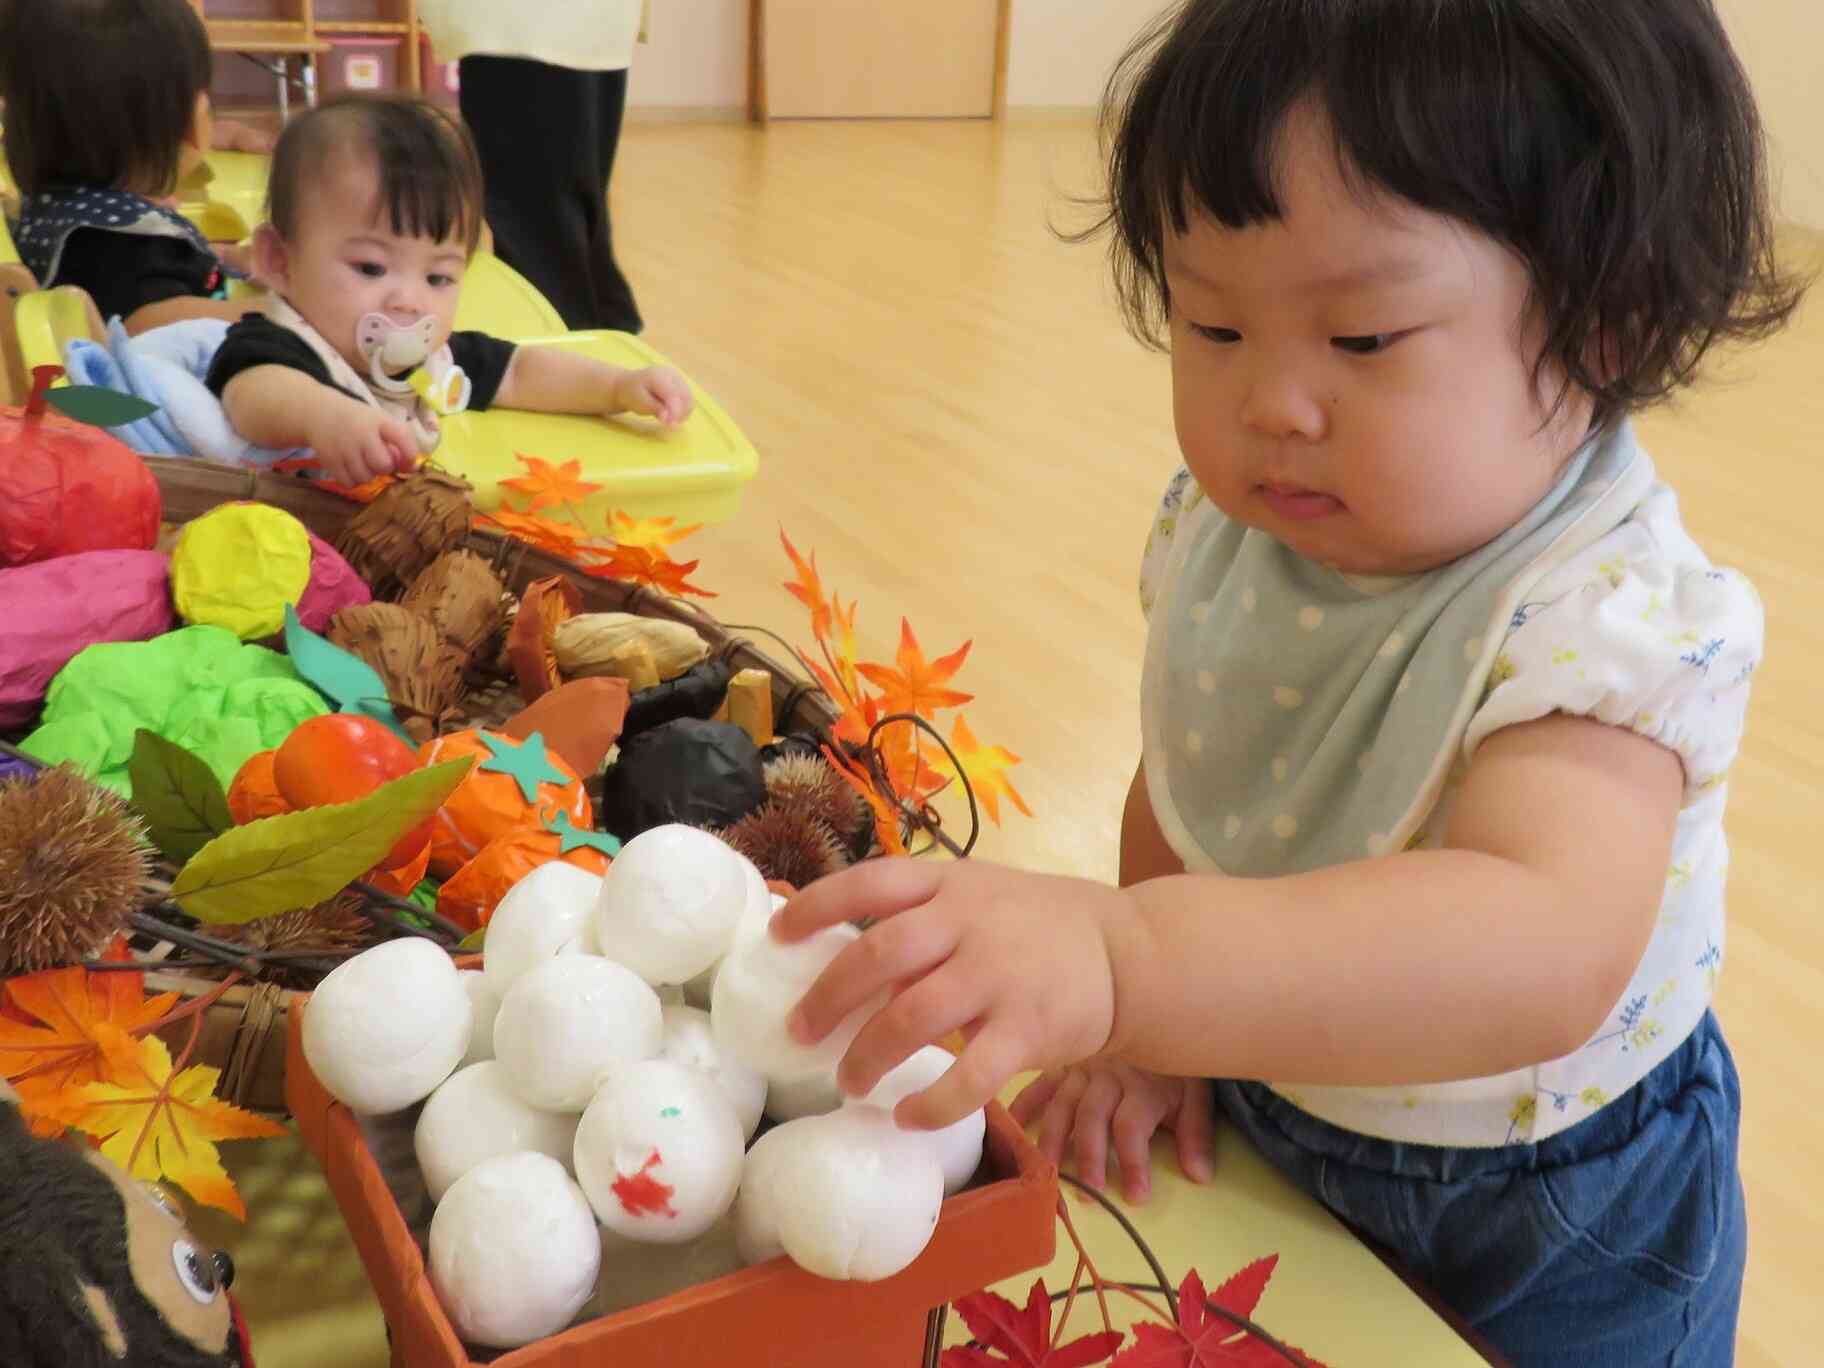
(107, 107)
(1423, 862)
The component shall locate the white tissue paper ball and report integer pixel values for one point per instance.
(959, 1145)
(756, 1224)
(669, 903)
(475, 1116)
(514, 1250)
(792, 1099)
(658, 1152)
(635, 1271)
(762, 902)
(387, 1026)
(565, 1024)
(688, 1040)
(544, 914)
(484, 1005)
(761, 981)
(855, 1196)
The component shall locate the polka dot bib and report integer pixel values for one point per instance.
(47, 219)
(1294, 717)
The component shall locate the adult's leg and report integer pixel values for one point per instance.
(614, 303)
(535, 127)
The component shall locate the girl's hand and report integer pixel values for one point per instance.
(1086, 1106)
(1018, 962)
(355, 443)
(657, 392)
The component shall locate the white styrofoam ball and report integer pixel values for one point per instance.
(761, 981)
(688, 1040)
(669, 903)
(762, 902)
(792, 1099)
(959, 1145)
(855, 1196)
(755, 1222)
(569, 1021)
(386, 1027)
(637, 1271)
(514, 1250)
(474, 1116)
(544, 914)
(658, 1152)
(484, 1004)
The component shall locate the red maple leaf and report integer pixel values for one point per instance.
(1204, 1339)
(1022, 1336)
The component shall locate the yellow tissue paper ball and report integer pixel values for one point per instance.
(237, 567)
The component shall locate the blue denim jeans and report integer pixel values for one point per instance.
(1619, 1243)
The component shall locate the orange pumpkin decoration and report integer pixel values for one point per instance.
(253, 794)
(468, 897)
(513, 784)
(340, 758)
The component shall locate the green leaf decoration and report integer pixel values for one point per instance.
(570, 836)
(347, 681)
(98, 405)
(528, 762)
(472, 943)
(299, 859)
(177, 794)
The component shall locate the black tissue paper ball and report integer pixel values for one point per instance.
(704, 774)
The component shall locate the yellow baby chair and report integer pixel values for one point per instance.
(695, 472)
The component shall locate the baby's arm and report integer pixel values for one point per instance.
(558, 380)
(1502, 950)
(277, 406)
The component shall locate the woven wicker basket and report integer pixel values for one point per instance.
(243, 1032)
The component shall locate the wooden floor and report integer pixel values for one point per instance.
(950, 416)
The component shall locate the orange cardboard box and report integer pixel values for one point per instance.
(773, 1315)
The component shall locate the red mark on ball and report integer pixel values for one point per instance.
(642, 1194)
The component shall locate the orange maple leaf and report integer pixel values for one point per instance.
(917, 686)
(985, 767)
(89, 1021)
(658, 533)
(157, 1124)
(808, 589)
(653, 568)
(886, 818)
(560, 539)
(548, 485)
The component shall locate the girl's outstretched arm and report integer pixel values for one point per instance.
(1502, 950)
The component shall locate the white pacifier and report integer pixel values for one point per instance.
(390, 348)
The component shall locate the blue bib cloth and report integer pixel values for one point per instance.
(47, 219)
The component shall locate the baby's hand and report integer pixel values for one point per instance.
(1089, 1104)
(355, 443)
(658, 392)
(1016, 961)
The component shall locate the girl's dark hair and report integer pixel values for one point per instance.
(1613, 145)
(430, 176)
(100, 92)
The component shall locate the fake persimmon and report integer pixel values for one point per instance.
(253, 794)
(340, 758)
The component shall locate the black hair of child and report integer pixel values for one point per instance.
(100, 92)
(1612, 145)
(425, 160)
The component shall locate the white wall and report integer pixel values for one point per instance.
(1059, 52)
(1781, 42)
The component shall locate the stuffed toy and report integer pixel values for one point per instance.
(98, 1270)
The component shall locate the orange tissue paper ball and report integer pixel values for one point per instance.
(253, 794)
(468, 897)
(491, 802)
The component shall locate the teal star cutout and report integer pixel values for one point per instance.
(528, 762)
(570, 837)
